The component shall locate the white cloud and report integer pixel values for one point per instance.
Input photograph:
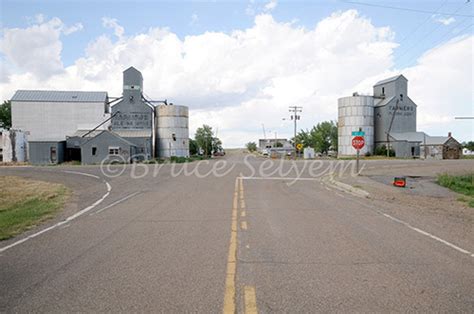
(194, 19)
(237, 81)
(37, 49)
(446, 20)
(250, 9)
(113, 24)
(72, 29)
(271, 5)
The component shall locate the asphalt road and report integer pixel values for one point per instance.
(167, 241)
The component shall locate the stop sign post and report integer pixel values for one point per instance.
(358, 143)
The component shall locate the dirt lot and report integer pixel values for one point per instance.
(423, 201)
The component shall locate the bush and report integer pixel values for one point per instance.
(178, 160)
(251, 146)
(382, 151)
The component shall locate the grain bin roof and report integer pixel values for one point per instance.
(59, 96)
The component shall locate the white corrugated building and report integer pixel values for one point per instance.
(53, 115)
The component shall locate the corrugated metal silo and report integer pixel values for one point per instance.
(353, 113)
(172, 131)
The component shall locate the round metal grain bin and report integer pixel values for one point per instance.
(172, 131)
(353, 113)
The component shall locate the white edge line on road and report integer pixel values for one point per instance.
(115, 203)
(68, 219)
(82, 174)
(406, 224)
(280, 178)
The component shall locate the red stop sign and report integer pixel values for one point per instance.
(358, 142)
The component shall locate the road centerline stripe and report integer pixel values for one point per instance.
(250, 300)
(229, 295)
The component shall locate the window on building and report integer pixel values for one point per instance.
(174, 137)
(94, 151)
(401, 97)
(383, 90)
(113, 150)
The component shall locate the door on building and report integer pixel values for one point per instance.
(53, 156)
(73, 154)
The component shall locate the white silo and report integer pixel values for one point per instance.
(354, 113)
(172, 131)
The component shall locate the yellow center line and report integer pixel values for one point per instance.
(229, 296)
(250, 299)
(243, 214)
(243, 225)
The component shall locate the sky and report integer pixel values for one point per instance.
(239, 65)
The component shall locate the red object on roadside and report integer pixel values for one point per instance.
(400, 182)
(358, 142)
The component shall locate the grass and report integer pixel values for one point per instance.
(461, 184)
(175, 159)
(26, 203)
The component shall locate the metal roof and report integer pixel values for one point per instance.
(409, 136)
(390, 79)
(420, 137)
(59, 96)
(436, 140)
(384, 101)
(88, 133)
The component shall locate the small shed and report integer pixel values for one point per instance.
(107, 146)
(45, 152)
(441, 147)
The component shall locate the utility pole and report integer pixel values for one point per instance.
(295, 117)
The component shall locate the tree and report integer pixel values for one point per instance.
(6, 114)
(304, 137)
(193, 147)
(216, 144)
(251, 146)
(469, 145)
(204, 139)
(322, 137)
(278, 144)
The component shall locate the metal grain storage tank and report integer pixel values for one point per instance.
(172, 131)
(353, 113)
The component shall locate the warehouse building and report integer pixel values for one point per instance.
(56, 114)
(388, 118)
(92, 127)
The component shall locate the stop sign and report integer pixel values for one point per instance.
(358, 142)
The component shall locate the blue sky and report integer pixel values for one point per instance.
(238, 64)
(225, 16)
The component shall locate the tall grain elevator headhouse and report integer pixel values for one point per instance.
(388, 118)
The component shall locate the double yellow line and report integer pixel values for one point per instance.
(250, 299)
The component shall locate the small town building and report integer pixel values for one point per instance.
(273, 143)
(43, 152)
(441, 147)
(107, 146)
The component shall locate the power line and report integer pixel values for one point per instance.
(427, 35)
(421, 24)
(406, 9)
